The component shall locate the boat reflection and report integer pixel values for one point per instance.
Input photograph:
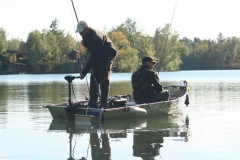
(148, 134)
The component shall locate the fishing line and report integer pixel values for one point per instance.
(87, 52)
(74, 93)
(160, 154)
(74, 147)
(167, 37)
(77, 39)
(88, 148)
(99, 147)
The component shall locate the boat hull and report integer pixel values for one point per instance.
(78, 110)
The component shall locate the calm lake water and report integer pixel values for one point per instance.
(28, 131)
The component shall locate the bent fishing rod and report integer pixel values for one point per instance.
(167, 38)
(87, 52)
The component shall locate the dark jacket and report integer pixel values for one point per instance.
(100, 47)
(145, 83)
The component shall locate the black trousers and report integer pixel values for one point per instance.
(100, 77)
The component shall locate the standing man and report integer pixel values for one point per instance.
(102, 54)
(146, 85)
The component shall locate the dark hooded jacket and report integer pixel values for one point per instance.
(100, 47)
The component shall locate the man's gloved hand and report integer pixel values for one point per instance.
(82, 75)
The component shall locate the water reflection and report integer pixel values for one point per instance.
(146, 144)
(147, 134)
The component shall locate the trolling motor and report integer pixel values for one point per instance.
(70, 78)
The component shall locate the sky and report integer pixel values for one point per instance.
(203, 19)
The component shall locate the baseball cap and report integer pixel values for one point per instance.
(148, 59)
(81, 26)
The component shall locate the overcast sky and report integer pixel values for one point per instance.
(204, 19)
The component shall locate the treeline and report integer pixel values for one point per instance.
(48, 50)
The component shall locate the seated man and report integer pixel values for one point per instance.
(146, 85)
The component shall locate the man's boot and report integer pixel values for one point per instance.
(93, 101)
(104, 102)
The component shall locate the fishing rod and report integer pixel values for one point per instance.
(87, 52)
(167, 37)
(75, 11)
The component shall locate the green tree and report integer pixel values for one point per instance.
(3, 41)
(38, 51)
(138, 41)
(65, 44)
(49, 48)
(234, 45)
(168, 49)
(129, 28)
(126, 59)
(199, 53)
(54, 51)
(4, 63)
(145, 47)
(14, 44)
(54, 29)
